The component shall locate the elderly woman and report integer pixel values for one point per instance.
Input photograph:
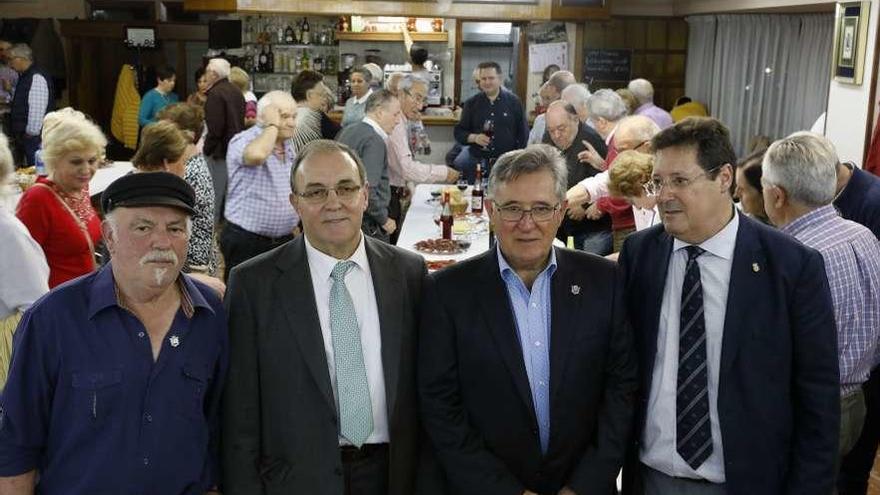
(627, 179)
(359, 80)
(310, 93)
(199, 96)
(57, 209)
(168, 146)
(748, 190)
(25, 272)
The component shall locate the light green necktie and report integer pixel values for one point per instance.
(355, 407)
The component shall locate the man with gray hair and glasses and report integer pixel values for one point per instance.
(799, 181)
(734, 328)
(527, 375)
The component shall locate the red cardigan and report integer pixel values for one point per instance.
(54, 228)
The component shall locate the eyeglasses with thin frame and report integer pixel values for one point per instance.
(345, 192)
(633, 148)
(675, 183)
(419, 98)
(515, 213)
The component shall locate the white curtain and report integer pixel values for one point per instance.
(761, 74)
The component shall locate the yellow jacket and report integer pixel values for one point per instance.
(690, 109)
(124, 122)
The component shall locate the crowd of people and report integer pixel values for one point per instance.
(238, 320)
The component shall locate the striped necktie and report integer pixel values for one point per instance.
(693, 429)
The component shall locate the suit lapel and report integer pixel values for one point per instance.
(656, 269)
(498, 315)
(294, 293)
(745, 286)
(388, 284)
(564, 304)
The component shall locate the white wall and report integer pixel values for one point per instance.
(847, 118)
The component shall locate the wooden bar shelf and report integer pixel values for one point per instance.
(442, 37)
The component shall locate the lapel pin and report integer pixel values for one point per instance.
(756, 267)
(174, 340)
(575, 289)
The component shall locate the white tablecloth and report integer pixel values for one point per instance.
(419, 225)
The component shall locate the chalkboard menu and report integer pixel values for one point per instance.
(608, 65)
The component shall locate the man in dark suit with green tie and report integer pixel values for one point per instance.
(321, 398)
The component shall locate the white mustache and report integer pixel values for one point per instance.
(159, 256)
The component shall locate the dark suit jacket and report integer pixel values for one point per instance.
(280, 432)
(367, 143)
(475, 399)
(778, 392)
(224, 116)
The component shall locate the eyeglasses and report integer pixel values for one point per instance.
(515, 213)
(621, 149)
(673, 184)
(320, 194)
(419, 98)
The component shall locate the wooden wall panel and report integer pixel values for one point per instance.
(659, 48)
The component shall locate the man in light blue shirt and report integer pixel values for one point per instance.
(527, 376)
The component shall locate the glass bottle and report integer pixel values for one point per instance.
(477, 193)
(446, 218)
(306, 31)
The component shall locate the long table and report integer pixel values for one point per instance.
(419, 225)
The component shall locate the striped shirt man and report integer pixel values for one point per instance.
(852, 264)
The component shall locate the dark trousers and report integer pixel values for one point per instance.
(856, 465)
(395, 211)
(366, 469)
(239, 245)
(220, 179)
(27, 146)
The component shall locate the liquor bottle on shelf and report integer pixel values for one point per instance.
(318, 64)
(446, 218)
(306, 60)
(271, 58)
(263, 64)
(306, 31)
(477, 193)
(279, 31)
(288, 35)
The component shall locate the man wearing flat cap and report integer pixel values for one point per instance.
(116, 376)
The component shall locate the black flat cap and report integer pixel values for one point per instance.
(149, 189)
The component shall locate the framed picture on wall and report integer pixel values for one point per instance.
(850, 39)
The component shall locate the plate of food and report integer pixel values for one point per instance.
(439, 264)
(442, 246)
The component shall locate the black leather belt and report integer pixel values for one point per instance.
(351, 453)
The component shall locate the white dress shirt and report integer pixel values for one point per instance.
(658, 449)
(376, 127)
(359, 282)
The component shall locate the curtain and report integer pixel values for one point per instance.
(761, 74)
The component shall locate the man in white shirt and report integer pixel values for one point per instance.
(321, 397)
(735, 333)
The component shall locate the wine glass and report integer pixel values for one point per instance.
(489, 129)
(435, 195)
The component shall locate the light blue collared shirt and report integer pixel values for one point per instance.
(531, 311)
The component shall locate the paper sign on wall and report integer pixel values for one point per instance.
(544, 54)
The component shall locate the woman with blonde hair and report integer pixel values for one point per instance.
(25, 273)
(57, 209)
(627, 178)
